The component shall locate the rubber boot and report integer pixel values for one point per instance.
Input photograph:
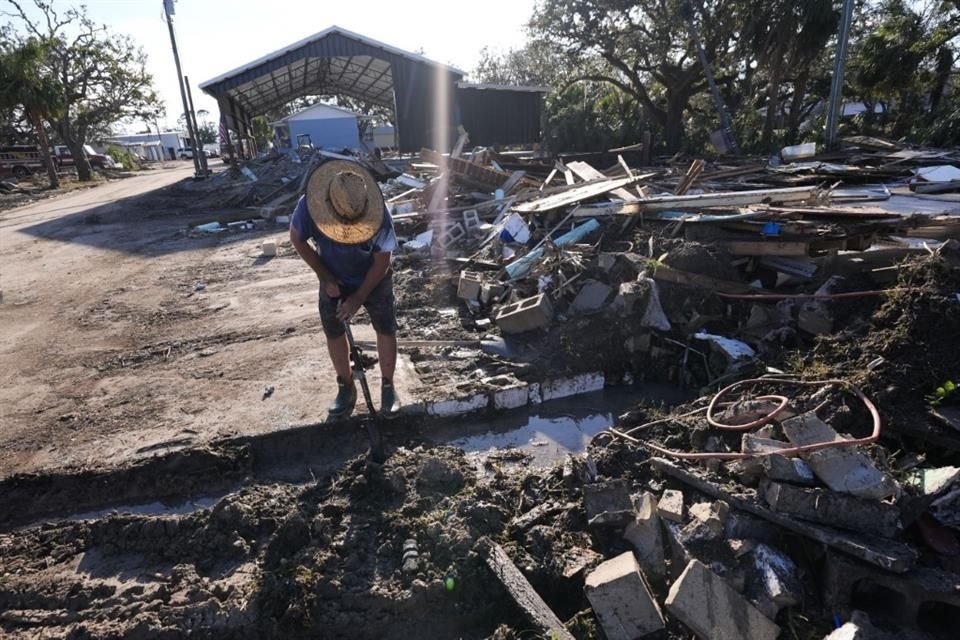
(389, 400)
(346, 399)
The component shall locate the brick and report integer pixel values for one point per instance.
(469, 285)
(843, 469)
(525, 315)
(621, 599)
(645, 536)
(670, 506)
(712, 609)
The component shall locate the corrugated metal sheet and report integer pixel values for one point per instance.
(501, 115)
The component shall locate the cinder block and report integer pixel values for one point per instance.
(574, 386)
(469, 286)
(471, 220)
(452, 235)
(621, 599)
(525, 315)
(713, 610)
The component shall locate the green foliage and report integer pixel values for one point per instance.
(943, 393)
(124, 157)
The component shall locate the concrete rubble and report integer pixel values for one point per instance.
(621, 599)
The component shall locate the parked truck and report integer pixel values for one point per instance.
(20, 160)
(97, 160)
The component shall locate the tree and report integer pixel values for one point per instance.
(101, 77)
(23, 85)
(641, 47)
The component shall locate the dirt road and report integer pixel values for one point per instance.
(122, 334)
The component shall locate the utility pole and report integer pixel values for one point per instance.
(726, 125)
(169, 10)
(839, 67)
(193, 117)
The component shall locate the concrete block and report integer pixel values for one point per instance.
(469, 285)
(921, 598)
(511, 397)
(670, 506)
(645, 536)
(574, 386)
(843, 469)
(712, 609)
(490, 291)
(452, 235)
(608, 503)
(268, 248)
(525, 315)
(621, 599)
(471, 220)
(458, 407)
(772, 580)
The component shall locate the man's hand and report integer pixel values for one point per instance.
(348, 307)
(332, 289)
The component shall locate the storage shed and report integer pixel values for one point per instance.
(322, 125)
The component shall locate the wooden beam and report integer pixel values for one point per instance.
(589, 174)
(789, 248)
(696, 168)
(545, 621)
(886, 554)
(664, 273)
(577, 194)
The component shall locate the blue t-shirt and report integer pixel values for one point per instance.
(348, 263)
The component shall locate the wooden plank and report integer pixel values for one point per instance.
(462, 140)
(789, 249)
(545, 621)
(722, 199)
(577, 194)
(696, 168)
(675, 276)
(626, 167)
(513, 181)
(549, 179)
(590, 174)
(886, 554)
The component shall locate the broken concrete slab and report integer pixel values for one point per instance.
(621, 599)
(712, 609)
(679, 553)
(577, 559)
(772, 580)
(712, 514)
(653, 316)
(645, 536)
(608, 503)
(841, 468)
(592, 297)
(834, 509)
(932, 482)
(783, 469)
(670, 506)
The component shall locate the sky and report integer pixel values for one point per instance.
(216, 36)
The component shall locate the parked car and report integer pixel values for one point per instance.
(185, 153)
(96, 160)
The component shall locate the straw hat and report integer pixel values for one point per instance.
(345, 202)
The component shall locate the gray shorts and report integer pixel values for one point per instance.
(379, 306)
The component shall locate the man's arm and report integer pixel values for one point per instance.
(379, 268)
(313, 260)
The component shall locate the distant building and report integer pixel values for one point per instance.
(322, 125)
(164, 144)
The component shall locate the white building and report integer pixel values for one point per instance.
(164, 144)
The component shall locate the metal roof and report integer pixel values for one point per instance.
(333, 61)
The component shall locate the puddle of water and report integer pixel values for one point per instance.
(550, 431)
(146, 509)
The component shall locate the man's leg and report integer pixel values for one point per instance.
(387, 352)
(340, 356)
(339, 350)
(379, 306)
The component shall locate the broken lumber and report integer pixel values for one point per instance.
(886, 554)
(664, 273)
(482, 175)
(696, 168)
(719, 199)
(544, 620)
(588, 173)
(577, 194)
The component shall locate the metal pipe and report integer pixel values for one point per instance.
(839, 67)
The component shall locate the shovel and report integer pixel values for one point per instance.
(377, 452)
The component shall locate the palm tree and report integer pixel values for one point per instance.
(23, 85)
